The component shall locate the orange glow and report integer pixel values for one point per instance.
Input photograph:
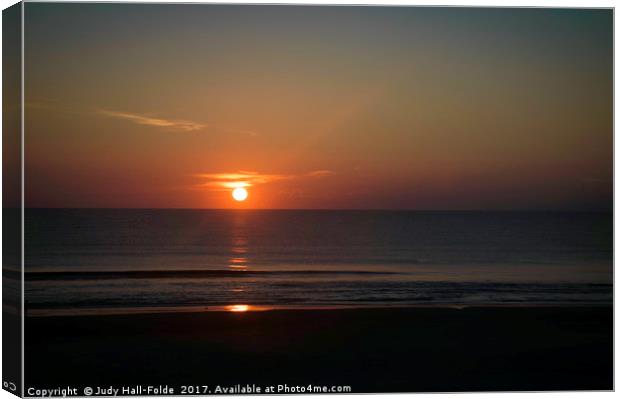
(238, 308)
(333, 124)
(240, 194)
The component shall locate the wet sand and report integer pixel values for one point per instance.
(371, 350)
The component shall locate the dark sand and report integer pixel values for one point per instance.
(372, 350)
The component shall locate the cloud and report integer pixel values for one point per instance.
(320, 173)
(230, 180)
(169, 124)
(172, 124)
(237, 179)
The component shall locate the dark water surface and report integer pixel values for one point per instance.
(111, 259)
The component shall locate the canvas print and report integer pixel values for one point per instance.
(206, 199)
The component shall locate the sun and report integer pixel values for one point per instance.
(240, 194)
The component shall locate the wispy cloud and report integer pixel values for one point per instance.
(172, 124)
(178, 125)
(319, 173)
(230, 180)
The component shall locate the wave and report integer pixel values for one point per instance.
(151, 274)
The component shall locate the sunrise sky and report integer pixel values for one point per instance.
(173, 106)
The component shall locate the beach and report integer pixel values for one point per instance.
(413, 349)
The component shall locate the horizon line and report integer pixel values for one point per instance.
(330, 209)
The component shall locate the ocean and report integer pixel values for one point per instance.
(90, 261)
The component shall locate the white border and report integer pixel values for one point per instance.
(471, 3)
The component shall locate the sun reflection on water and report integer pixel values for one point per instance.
(238, 308)
(239, 244)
